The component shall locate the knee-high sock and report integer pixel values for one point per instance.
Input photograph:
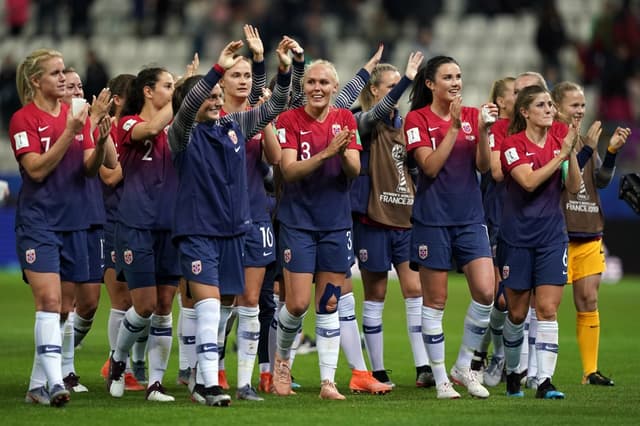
(160, 339)
(588, 334)
(248, 336)
(349, 334)
(288, 326)
(433, 337)
(513, 338)
(547, 349)
(188, 340)
(183, 364)
(49, 345)
(38, 377)
(133, 325)
(225, 314)
(532, 363)
(373, 334)
(413, 310)
(113, 326)
(68, 347)
(273, 332)
(264, 356)
(524, 352)
(81, 327)
(208, 322)
(476, 323)
(139, 348)
(328, 343)
(496, 326)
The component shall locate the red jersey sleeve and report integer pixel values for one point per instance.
(514, 152)
(498, 133)
(416, 130)
(24, 134)
(287, 130)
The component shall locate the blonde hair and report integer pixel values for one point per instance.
(560, 90)
(499, 88)
(366, 97)
(324, 62)
(31, 68)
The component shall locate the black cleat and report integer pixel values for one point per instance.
(597, 379)
(546, 390)
(513, 386)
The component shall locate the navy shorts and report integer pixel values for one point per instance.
(260, 247)
(95, 246)
(493, 240)
(434, 247)
(61, 252)
(378, 248)
(213, 261)
(108, 249)
(145, 257)
(316, 251)
(524, 268)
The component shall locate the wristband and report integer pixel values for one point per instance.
(219, 69)
(612, 150)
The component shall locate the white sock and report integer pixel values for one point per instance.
(81, 327)
(496, 326)
(294, 347)
(349, 334)
(68, 347)
(188, 347)
(208, 313)
(524, 353)
(273, 334)
(532, 363)
(248, 337)
(288, 327)
(49, 345)
(328, 343)
(513, 337)
(38, 377)
(133, 325)
(160, 339)
(476, 323)
(433, 337)
(183, 364)
(373, 334)
(225, 314)
(547, 349)
(113, 326)
(139, 348)
(265, 367)
(413, 308)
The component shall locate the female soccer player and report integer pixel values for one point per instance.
(55, 151)
(449, 143)
(585, 223)
(532, 246)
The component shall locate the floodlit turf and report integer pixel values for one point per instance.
(619, 347)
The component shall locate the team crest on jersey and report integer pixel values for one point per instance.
(287, 255)
(363, 255)
(196, 267)
(113, 256)
(282, 135)
(128, 257)
(505, 272)
(79, 138)
(30, 256)
(232, 135)
(423, 251)
(335, 129)
(466, 127)
(556, 152)
(128, 124)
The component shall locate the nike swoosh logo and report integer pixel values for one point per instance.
(530, 153)
(438, 340)
(42, 129)
(267, 253)
(51, 348)
(208, 348)
(237, 149)
(431, 129)
(305, 132)
(331, 333)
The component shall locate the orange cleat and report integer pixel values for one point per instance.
(131, 383)
(362, 381)
(281, 377)
(104, 371)
(222, 380)
(266, 379)
(328, 390)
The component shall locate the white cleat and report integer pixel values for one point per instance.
(466, 378)
(446, 391)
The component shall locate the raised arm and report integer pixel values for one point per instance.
(258, 69)
(605, 172)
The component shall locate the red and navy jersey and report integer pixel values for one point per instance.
(150, 181)
(57, 202)
(493, 192)
(453, 197)
(319, 201)
(531, 219)
(111, 195)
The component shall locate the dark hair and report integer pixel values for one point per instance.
(148, 77)
(524, 99)
(181, 91)
(118, 86)
(421, 95)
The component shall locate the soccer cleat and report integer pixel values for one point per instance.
(58, 396)
(183, 376)
(131, 383)
(513, 386)
(104, 371)
(115, 384)
(72, 383)
(531, 383)
(37, 395)
(493, 373)
(597, 378)
(266, 380)
(328, 390)
(281, 377)
(424, 379)
(383, 377)
(156, 392)
(198, 394)
(362, 381)
(468, 379)
(215, 397)
(445, 390)
(139, 371)
(479, 365)
(546, 390)
(222, 380)
(248, 393)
